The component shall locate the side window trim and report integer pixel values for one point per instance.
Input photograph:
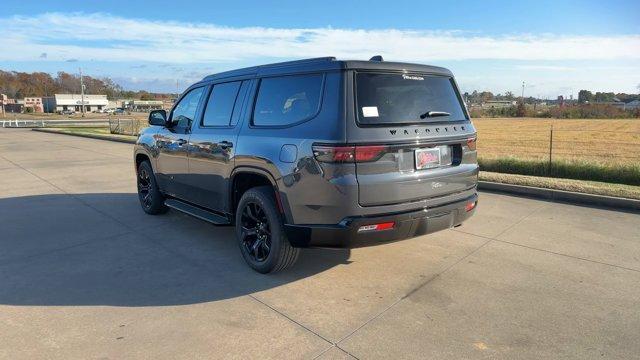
(313, 115)
(241, 99)
(233, 111)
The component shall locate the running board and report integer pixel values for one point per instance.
(197, 212)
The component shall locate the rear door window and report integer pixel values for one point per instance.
(220, 104)
(287, 100)
(406, 99)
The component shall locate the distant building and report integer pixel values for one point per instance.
(10, 105)
(498, 104)
(61, 102)
(35, 103)
(144, 105)
(3, 102)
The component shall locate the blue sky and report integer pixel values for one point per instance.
(556, 47)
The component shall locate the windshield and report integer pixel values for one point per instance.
(406, 98)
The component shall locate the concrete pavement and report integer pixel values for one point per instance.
(84, 273)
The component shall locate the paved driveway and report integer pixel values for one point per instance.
(85, 274)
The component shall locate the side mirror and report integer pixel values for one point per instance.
(158, 117)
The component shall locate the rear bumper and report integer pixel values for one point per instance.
(407, 225)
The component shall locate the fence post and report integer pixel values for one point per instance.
(550, 147)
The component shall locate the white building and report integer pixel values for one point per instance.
(61, 102)
(498, 104)
(144, 105)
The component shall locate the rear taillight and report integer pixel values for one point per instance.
(471, 144)
(342, 153)
(370, 153)
(334, 154)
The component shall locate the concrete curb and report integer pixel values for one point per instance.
(91, 136)
(561, 195)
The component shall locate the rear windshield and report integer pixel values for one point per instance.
(406, 98)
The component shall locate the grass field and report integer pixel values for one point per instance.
(615, 141)
(600, 150)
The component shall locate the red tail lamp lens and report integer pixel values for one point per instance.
(377, 227)
(343, 153)
(470, 206)
(471, 143)
(334, 154)
(369, 153)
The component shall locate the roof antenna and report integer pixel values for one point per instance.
(377, 58)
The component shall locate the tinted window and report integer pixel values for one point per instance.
(185, 111)
(287, 99)
(406, 98)
(220, 105)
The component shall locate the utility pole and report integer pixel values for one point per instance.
(523, 92)
(81, 92)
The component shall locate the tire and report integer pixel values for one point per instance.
(151, 199)
(258, 223)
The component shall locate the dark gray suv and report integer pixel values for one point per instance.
(314, 153)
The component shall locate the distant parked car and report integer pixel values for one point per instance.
(67, 112)
(118, 111)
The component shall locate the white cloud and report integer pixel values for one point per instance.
(112, 38)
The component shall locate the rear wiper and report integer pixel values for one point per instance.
(434, 114)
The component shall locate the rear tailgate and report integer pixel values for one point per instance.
(412, 136)
(403, 173)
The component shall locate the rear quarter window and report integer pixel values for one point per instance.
(287, 100)
(396, 98)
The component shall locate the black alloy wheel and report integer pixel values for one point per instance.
(144, 188)
(151, 199)
(260, 232)
(256, 234)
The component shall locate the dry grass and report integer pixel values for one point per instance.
(602, 141)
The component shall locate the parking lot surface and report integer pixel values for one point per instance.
(85, 274)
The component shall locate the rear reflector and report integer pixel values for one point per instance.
(471, 143)
(470, 206)
(377, 227)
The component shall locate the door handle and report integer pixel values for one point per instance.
(225, 144)
(181, 142)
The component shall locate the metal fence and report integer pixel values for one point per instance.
(34, 123)
(599, 146)
(127, 126)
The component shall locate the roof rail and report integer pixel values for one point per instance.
(302, 61)
(274, 65)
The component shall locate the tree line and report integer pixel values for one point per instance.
(584, 96)
(18, 85)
